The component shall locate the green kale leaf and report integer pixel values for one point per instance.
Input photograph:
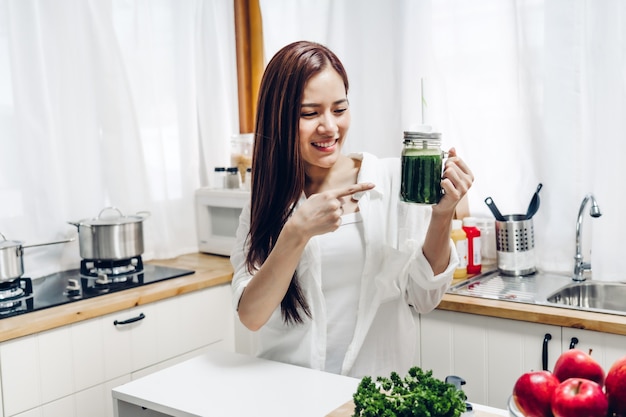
(417, 394)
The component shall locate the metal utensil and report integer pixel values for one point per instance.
(494, 209)
(534, 203)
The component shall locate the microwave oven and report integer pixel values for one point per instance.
(217, 218)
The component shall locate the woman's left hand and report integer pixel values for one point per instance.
(456, 180)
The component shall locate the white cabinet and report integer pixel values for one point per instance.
(1, 408)
(489, 353)
(606, 348)
(71, 370)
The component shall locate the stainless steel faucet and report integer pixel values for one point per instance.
(580, 266)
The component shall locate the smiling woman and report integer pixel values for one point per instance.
(325, 234)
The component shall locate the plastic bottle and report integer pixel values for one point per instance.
(232, 178)
(219, 177)
(460, 241)
(488, 253)
(473, 245)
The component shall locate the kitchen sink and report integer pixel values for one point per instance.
(531, 289)
(549, 289)
(595, 295)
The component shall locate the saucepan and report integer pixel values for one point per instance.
(11, 257)
(109, 238)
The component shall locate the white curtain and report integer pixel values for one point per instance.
(111, 103)
(528, 91)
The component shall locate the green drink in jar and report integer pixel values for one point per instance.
(422, 165)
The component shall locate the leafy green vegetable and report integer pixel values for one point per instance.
(418, 394)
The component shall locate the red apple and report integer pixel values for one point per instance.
(577, 397)
(575, 363)
(533, 391)
(615, 387)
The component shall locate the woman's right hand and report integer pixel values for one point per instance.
(321, 213)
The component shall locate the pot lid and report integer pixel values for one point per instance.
(4, 243)
(111, 220)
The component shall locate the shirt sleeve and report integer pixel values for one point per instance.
(424, 289)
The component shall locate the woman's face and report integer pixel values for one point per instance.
(324, 119)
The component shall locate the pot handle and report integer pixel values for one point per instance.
(78, 224)
(110, 208)
(144, 214)
(48, 243)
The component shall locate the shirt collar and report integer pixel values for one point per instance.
(368, 173)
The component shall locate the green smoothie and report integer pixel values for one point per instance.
(421, 178)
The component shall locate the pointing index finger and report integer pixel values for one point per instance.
(353, 189)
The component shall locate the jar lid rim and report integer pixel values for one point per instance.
(421, 135)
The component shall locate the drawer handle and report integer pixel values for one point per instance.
(544, 351)
(573, 342)
(141, 316)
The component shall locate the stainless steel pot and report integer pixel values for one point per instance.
(111, 238)
(11, 260)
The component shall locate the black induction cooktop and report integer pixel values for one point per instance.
(70, 286)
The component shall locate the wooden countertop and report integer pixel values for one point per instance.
(210, 270)
(215, 270)
(565, 317)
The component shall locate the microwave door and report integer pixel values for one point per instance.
(218, 218)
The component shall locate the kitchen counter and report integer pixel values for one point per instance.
(209, 270)
(564, 317)
(230, 384)
(216, 270)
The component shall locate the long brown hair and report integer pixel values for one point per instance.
(278, 175)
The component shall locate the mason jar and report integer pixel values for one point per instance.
(422, 166)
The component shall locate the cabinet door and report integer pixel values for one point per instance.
(118, 337)
(196, 319)
(1, 402)
(47, 366)
(36, 369)
(605, 348)
(97, 401)
(489, 353)
(62, 407)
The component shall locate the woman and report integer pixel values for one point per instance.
(328, 263)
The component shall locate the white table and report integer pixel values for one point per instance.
(229, 384)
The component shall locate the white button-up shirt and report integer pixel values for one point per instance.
(396, 277)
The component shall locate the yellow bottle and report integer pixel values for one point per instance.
(459, 237)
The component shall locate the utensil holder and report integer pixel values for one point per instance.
(515, 245)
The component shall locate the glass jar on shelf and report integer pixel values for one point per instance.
(241, 145)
